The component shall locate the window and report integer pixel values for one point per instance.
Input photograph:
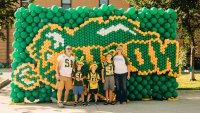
(66, 4)
(103, 2)
(24, 3)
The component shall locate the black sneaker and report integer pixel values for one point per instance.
(106, 103)
(60, 105)
(75, 104)
(84, 104)
(113, 103)
(87, 104)
(96, 103)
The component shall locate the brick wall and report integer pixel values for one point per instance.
(89, 3)
(120, 3)
(48, 3)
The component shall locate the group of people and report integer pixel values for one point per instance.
(114, 74)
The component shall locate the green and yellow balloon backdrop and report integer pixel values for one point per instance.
(147, 35)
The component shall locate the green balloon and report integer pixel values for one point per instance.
(24, 35)
(42, 15)
(166, 15)
(35, 93)
(67, 15)
(79, 20)
(148, 15)
(28, 94)
(16, 34)
(148, 25)
(29, 29)
(167, 34)
(31, 99)
(131, 10)
(111, 7)
(29, 19)
(168, 94)
(144, 92)
(31, 7)
(49, 15)
(161, 11)
(131, 88)
(161, 20)
(139, 87)
(155, 88)
(104, 7)
(79, 9)
(153, 11)
(99, 13)
(17, 24)
(139, 79)
(20, 95)
(17, 14)
(153, 20)
(36, 19)
(161, 30)
(55, 8)
(163, 88)
(55, 19)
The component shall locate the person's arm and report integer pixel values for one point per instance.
(129, 73)
(102, 74)
(57, 70)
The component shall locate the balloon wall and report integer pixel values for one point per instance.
(147, 35)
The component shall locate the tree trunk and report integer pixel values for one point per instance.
(192, 76)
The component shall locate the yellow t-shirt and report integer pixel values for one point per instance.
(93, 80)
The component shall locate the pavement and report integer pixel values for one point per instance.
(187, 102)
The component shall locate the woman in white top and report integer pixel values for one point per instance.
(122, 73)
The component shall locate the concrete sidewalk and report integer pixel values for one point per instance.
(188, 102)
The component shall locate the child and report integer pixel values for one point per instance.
(108, 77)
(78, 81)
(93, 78)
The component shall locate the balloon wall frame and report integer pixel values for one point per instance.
(42, 33)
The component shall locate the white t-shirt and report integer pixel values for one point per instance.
(66, 64)
(120, 64)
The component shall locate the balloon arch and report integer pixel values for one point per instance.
(147, 35)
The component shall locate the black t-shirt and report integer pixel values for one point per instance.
(78, 75)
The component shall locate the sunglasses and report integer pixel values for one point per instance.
(69, 48)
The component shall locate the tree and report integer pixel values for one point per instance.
(188, 19)
(7, 10)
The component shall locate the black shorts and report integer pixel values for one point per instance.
(93, 91)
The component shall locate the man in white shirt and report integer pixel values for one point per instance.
(122, 73)
(65, 64)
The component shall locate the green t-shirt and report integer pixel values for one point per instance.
(108, 68)
(77, 78)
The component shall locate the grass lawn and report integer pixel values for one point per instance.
(185, 83)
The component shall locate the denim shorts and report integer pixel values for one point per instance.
(78, 90)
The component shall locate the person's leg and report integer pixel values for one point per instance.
(107, 95)
(95, 97)
(120, 89)
(124, 87)
(75, 94)
(117, 83)
(88, 97)
(60, 87)
(112, 87)
(68, 86)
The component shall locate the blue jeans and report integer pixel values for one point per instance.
(121, 88)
